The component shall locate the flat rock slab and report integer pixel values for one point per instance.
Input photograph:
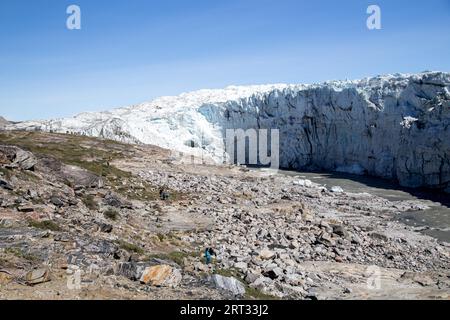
(37, 276)
(228, 284)
(17, 157)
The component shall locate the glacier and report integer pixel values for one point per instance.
(394, 126)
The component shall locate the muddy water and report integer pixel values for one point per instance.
(434, 221)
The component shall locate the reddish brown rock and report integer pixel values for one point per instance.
(161, 276)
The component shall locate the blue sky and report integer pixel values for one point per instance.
(130, 51)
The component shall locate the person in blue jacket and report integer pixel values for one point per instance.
(209, 253)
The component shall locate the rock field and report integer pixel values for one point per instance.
(82, 218)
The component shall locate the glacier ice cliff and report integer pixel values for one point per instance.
(394, 126)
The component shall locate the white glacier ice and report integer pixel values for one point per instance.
(393, 126)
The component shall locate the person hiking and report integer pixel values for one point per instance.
(209, 253)
(163, 194)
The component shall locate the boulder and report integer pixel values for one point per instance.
(98, 246)
(339, 230)
(198, 266)
(267, 254)
(228, 284)
(293, 292)
(104, 227)
(251, 277)
(16, 157)
(32, 194)
(161, 276)
(261, 283)
(379, 236)
(5, 278)
(6, 185)
(294, 280)
(57, 202)
(326, 239)
(65, 173)
(113, 200)
(131, 270)
(25, 160)
(26, 208)
(242, 266)
(37, 276)
(303, 183)
(337, 189)
(274, 273)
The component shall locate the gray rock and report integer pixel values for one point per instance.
(274, 273)
(326, 240)
(339, 230)
(113, 200)
(267, 254)
(379, 236)
(96, 246)
(131, 270)
(228, 284)
(18, 157)
(32, 194)
(25, 160)
(337, 189)
(251, 277)
(57, 201)
(242, 266)
(293, 292)
(261, 283)
(6, 185)
(65, 173)
(294, 280)
(104, 227)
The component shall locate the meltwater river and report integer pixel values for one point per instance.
(434, 221)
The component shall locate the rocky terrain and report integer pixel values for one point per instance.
(83, 218)
(394, 126)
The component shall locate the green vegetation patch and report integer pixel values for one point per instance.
(175, 256)
(111, 214)
(130, 247)
(44, 225)
(20, 253)
(92, 154)
(90, 203)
